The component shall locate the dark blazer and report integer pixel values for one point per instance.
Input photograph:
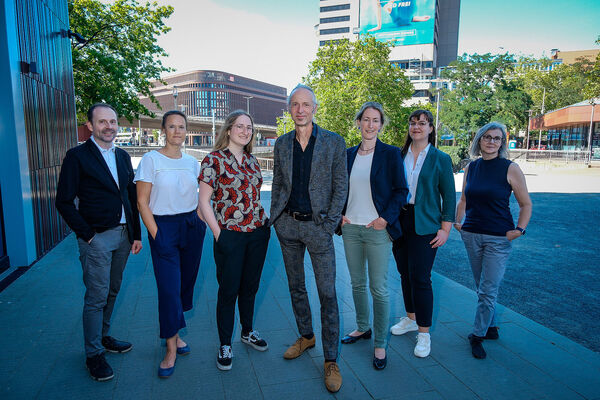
(328, 184)
(388, 184)
(435, 200)
(85, 175)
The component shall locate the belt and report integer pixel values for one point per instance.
(298, 216)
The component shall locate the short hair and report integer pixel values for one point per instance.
(90, 112)
(475, 150)
(168, 114)
(417, 115)
(301, 86)
(374, 105)
(222, 140)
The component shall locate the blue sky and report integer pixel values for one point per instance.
(274, 40)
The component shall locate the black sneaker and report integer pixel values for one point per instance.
(253, 339)
(492, 333)
(476, 346)
(224, 358)
(99, 368)
(115, 346)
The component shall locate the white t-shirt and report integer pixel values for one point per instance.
(360, 209)
(174, 182)
(412, 174)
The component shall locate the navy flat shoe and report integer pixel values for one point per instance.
(165, 372)
(353, 339)
(379, 363)
(183, 351)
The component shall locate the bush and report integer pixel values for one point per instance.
(458, 154)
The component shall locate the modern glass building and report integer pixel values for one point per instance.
(568, 128)
(200, 93)
(37, 125)
(425, 33)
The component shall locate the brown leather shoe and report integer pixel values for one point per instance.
(298, 348)
(333, 378)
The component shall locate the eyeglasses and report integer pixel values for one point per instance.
(242, 127)
(492, 139)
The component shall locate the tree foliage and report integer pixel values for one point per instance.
(120, 55)
(346, 74)
(551, 88)
(485, 89)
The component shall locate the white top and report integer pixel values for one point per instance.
(360, 209)
(174, 182)
(111, 161)
(412, 174)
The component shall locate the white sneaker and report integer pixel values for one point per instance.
(405, 325)
(423, 347)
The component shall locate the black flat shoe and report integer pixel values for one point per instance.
(379, 363)
(352, 339)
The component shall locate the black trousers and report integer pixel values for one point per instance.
(239, 257)
(414, 260)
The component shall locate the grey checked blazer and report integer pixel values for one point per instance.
(328, 185)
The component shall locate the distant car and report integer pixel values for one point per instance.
(542, 147)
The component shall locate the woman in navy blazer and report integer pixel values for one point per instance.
(377, 191)
(426, 222)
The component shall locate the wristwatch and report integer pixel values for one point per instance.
(518, 228)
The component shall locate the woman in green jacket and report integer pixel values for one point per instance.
(426, 222)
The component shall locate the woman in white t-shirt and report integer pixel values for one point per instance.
(377, 191)
(167, 191)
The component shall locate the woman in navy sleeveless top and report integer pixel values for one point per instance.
(488, 228)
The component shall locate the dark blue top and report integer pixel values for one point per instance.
(388, 184)
(299, 197)
(487, 194)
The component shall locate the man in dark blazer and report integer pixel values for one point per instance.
(96, 197)
(310, 185)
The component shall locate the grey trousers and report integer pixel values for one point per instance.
(103, 261)
(295, 238)
(488, 256)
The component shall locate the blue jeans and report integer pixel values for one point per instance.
(367, 245)
(488, 256)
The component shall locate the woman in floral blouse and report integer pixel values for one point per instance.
(230, 177)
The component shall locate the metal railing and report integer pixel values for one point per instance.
(552, 156)
(265, 163)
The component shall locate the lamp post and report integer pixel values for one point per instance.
(213, 127)
(592, 103)
(284, 124)
(175, 97)
(528, 125)
(248, 103)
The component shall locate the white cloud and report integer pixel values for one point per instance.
(206, 35)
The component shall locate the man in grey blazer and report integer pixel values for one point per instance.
(310, 186)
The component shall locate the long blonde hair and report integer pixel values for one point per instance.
(222, 140)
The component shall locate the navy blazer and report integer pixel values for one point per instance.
(388, 184)
(85, 175)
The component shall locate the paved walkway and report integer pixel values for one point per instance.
(42, 351)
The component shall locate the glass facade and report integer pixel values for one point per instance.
(571, 138)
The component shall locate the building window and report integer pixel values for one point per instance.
(334, 31)
(335, 19)
(335, 8)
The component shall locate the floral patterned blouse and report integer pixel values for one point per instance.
(236, 190)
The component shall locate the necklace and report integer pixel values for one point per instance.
(365, 150)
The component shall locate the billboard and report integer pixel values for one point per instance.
(405, 21)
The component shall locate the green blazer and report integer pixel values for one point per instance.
(435, 200)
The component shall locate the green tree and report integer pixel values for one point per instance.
(346, 74)
(284, 123)
(120, 55)
(551, 88)
(591, 71)
(486, 89)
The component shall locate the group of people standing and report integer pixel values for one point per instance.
(383, 200)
